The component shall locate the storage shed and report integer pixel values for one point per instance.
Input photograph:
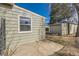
(64, 28)
(55, 28)
(19, 26)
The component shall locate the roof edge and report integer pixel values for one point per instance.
(28, 11)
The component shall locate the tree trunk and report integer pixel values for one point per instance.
(77, 32)
(68, 29)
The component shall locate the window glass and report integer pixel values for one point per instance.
(25, 24)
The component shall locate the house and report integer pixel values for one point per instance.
(19, 26)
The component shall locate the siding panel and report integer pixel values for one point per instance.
(12, 27)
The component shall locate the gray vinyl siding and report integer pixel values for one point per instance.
(12, 34)
(56, 29)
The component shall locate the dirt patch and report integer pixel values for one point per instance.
(68, 42)
(64, 40)
(68, 51)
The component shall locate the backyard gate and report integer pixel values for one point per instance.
(2, 34)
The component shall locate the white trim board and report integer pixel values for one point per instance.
(28, 11)
(19, 25)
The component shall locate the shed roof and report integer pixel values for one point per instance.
(71, 20)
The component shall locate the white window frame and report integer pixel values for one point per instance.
(19, 25)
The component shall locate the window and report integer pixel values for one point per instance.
(25, 24)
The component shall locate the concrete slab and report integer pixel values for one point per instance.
(39, 48)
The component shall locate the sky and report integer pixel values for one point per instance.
(39, 8)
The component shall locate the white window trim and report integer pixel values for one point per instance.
(19, 25)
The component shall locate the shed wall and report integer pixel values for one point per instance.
(55, 29)
(64, 28)
(73, 28)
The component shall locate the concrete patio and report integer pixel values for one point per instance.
(39, 48)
